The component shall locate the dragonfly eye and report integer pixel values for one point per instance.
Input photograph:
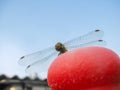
(58, 46)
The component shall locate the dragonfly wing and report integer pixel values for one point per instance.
(91, 36)
(39, 62)
(41, 67)
(34, 57)
(91, 43)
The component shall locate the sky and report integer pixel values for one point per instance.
(27, 26)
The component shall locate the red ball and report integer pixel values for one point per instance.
(89, 68)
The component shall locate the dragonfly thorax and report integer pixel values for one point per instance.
(60, 48)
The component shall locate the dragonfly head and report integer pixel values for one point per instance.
(59, 46)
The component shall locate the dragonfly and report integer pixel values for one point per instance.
(40, 61)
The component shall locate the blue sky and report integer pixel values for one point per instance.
(27, 26)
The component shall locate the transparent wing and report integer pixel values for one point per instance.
(39, 62)
(41, 67)
(37, 56)
(91, 36)
(91, 43)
